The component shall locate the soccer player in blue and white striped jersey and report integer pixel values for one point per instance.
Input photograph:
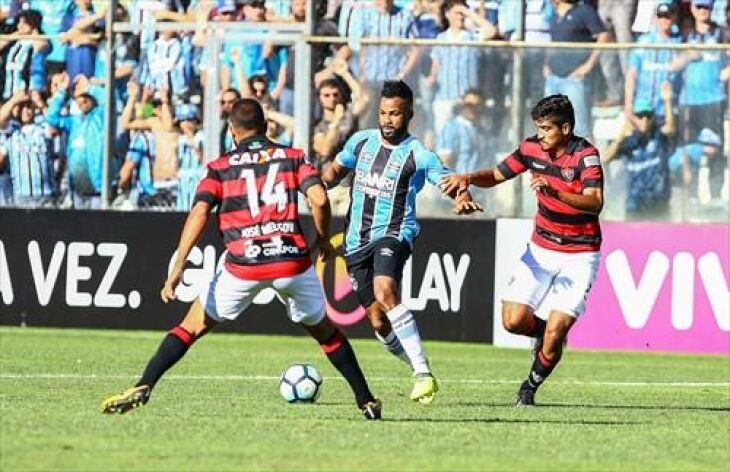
(390, 167)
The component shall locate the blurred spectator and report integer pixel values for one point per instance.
(384, 62)
(127, 60)
(455, 69)
(650, 68)
(190, 161)
(537, 30)
(617, 16)
(648, 142)
(462, 143)
(228, 98)
(568, 71)
(137, 173)
(81, 27)
(339, 119)
(24, 65)
(703, 100)
(84, 128)
(644, 18)
(279, 126)
(701, 152)
(27, 152)
(156, 118)
(165, 67)
(53, 12)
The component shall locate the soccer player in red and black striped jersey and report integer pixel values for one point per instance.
(254, 188)
(559, 265)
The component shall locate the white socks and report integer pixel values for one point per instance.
(393, 345)
(404, 327)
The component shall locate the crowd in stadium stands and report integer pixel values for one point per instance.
(54, 66)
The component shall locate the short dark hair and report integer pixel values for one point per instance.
(233, 91)
(33, 18)
(397, 89)
(329, 83)
(247, 114)
(556, 108)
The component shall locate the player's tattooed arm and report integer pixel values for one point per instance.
(192, 231)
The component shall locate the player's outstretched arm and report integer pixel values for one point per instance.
(322, 215)
(334, 174)
(192, 231)
(457, 183)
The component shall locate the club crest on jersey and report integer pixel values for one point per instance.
(366, 157)
(568, 173)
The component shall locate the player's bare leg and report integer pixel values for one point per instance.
(518, 318)
(339, 352)
(172, 348)
(547, 356)
(404, 326)
(384, 332)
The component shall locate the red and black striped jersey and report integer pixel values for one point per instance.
(255, 189)
(559, 226)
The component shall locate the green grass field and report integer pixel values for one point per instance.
(219, 409)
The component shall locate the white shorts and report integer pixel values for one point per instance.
(558, 280)
(227, 296)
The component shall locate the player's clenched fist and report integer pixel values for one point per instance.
(168, 290)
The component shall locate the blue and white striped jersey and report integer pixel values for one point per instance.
(384, 187)
(166, 66)
(28, 149)
(190, 169)
(458, 65)
(17, 67)
(381, 62)
(142, 151)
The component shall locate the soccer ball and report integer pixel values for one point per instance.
(300, 383)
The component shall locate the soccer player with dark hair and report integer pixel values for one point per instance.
(560, 263)
(254, 188)
(390, 167)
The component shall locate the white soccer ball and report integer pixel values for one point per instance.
(300, 383)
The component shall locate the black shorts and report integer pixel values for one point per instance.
(386, 256)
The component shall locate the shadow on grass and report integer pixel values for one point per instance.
(515, 420)
(603, 407)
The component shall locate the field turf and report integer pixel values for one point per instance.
(219, 409)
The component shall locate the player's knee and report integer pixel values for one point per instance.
(513, 318)
(386, 297)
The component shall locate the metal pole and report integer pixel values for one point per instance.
(518, 102)
(303, 83)
(211, 111)
(110, 122)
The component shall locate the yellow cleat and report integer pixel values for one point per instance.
(424, 389)
(126, 401)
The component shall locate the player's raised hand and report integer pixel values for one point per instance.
(168, 290)
(454, 184)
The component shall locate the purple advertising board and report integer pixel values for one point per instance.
(660, 287)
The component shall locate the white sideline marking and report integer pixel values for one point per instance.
(11, 376)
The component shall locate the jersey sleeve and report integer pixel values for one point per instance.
(591, 174)
(210, 188)
(306, 174)
(347, 157)
(434, 168)
(513, 165)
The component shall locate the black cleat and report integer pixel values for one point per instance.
(526, 395)
(371, 410)
(127, 400)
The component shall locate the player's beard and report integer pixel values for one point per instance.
(394, 135)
